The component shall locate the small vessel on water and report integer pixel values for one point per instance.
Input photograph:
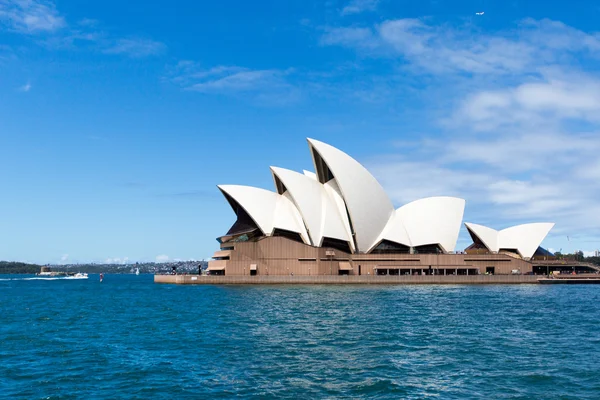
(101, 277)
(48, 273)
(137, 271)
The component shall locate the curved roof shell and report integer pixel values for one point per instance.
(310, 174)
(433, 220)
(395, 231)
(343, 201)
(316, 205)
(268, 210)
(524, 238)
(369, 207)
(487, 236)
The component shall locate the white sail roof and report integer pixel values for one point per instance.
(334, 193)
(268, 210)
(487, 236)
(524, 238)
(316, 205)
(433, 220)
(343, 201)
(395, 231)
(310, 174)
(368, 205)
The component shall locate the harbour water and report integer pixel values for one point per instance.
(130, 338)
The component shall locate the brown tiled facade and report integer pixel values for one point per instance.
(283, 256)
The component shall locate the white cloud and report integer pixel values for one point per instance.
(135, 47)
(117, 260)
(239, 81)
(88, 22)
(588, 170)
(360, 38)
(511, 176)
(30, 16)
(442, 49)
(516, 116)
(359, 6)
(162, 258)
(423, 178)
(88, 34)
(557, 35)
(188, 71)
(41, 16)
(26, 87)
(553, 98)
(268, 86)
(64, 258)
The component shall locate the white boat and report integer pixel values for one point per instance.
(78, 275)
(47, 273)
(137, 271)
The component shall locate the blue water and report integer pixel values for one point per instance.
(130, 338)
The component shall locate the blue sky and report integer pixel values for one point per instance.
(117, 120)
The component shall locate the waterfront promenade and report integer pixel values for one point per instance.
(347, 279)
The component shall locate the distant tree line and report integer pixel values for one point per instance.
(10, 267)
(577, 256)
(593, 260)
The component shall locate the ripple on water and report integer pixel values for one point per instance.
(129, 338)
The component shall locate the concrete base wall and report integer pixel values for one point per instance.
(348, 280)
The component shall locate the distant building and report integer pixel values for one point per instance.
(339, 220)
(597, 253)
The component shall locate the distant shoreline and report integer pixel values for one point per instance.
(11, 267)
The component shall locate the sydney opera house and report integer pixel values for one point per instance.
(338, 220)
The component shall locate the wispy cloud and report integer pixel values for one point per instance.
(117, 260)
(516, 122)
(90, 22)
(162, 258)
(41, 17)
(26, 87)
(30, 16)
(135, 47)
(268, 86)
(240, 81)
(444, 49)
(554, 96)
(359, 6)
(513, 178)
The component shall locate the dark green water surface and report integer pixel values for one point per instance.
(130, 338)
